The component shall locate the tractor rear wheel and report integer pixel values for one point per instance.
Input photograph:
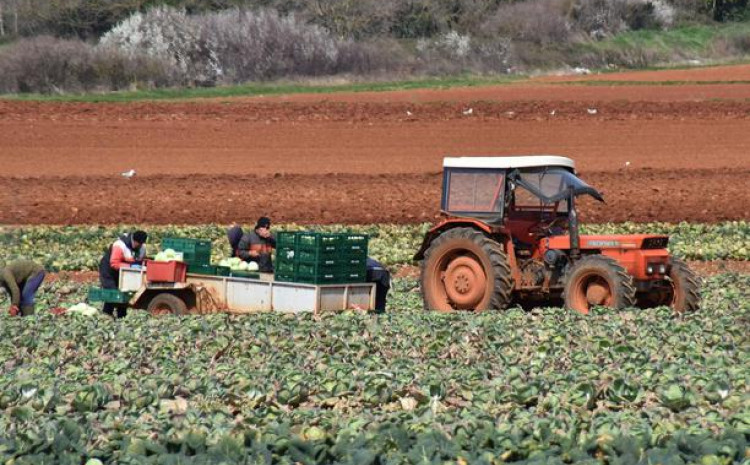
(463, 269)
(166, 304)
(598, 280)
(686, 287)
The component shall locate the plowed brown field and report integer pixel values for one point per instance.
(372, 157)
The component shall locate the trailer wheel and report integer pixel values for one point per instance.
(598, 280)
(167, 304)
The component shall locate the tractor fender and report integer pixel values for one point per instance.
(451, 223)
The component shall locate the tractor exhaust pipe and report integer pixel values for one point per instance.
(575, 239)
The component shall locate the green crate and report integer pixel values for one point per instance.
(354, 243)
(211, 270)
(201, 269)
(114, 296)
(194, 251)
(321, 241)
(285, 266)
(353, 276)
(245, 274)
(334, 278)
(285, 253)
(312, 270)
(286, 239)
(354, 261)
(284, 277)
(223, 271)
(310, 255)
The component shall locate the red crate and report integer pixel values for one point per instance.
(166, 272)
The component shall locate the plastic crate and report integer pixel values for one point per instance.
(284, 277)
(201, 269)
(165, 272)
(285, 266)
(285, 253)
(354, 261)
(194, 251)
(312, 270)
(320, 241)
(114, 296)
(354, 243)
(286, 239)
(223, 271)
(311, 255)
(353, 276)
(245, 274)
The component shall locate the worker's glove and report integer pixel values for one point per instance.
(14, 311)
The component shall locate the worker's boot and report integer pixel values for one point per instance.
(27, 310)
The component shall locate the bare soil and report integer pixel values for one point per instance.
(667, 153)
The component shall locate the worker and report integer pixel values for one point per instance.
(21, 279)
(257, 245)
(378, 274)
(234, 235)
(127, 250)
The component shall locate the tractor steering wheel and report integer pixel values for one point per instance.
(545, 230)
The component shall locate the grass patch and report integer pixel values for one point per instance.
(697, 40)
(266, 89)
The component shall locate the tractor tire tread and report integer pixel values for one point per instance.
(624, 280)
(692, 285)
(503, 288)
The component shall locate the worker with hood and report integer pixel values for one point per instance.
(258, 244)
(127, 250)
(21, 279)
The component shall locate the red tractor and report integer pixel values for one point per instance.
(512, 232)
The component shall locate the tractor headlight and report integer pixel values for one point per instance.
(662, 269)
(649, 269)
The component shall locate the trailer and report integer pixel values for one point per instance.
(203, 294)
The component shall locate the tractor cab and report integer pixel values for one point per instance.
(512, 230)
(529, 196)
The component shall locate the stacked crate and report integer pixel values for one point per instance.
(321, 258)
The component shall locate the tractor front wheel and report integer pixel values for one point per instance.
(686, 288)
(597, 280)
(463, 269)
(167, 304)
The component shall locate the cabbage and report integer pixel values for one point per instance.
(252, 266)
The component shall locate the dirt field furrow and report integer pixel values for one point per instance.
(634, 195)
(658, 152)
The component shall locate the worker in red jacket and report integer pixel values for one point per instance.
(127, 250)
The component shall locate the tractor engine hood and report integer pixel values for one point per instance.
(614, 241)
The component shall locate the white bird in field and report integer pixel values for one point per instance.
(592, 111)
(468, 112)
(553, 112)
(408, 113)
(128, 174)
(627, 163)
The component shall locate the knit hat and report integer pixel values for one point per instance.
(263, 222)
(140, 237)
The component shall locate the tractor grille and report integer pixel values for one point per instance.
(655, 243)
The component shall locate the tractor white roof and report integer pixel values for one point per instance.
(508, 162)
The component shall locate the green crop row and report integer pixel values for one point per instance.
(81, 247)
(544, 386)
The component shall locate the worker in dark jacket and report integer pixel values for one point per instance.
(21, 279)
(127, 250)
(378, 274)
(257, 245)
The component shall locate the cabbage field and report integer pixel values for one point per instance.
(413, 387)
(81, 247)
